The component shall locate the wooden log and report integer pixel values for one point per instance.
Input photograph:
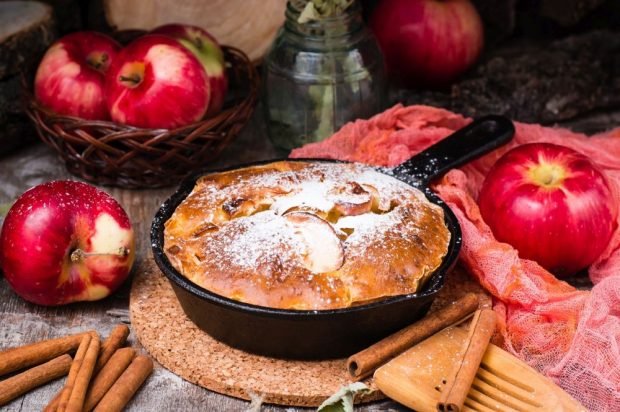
(26, 30)
(68, 14)
(16, 129)
(250, 25)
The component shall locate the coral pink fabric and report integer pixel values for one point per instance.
(571, 336)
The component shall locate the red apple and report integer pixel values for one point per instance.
(70, 79)
(552, 204)
(66, 241)
(206, 48)
(155, 82)
(427, 42)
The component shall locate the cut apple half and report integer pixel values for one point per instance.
(309, 210)
(204, 228)
(351, 199)
(323, 249)
(379, 203)
(241, 207)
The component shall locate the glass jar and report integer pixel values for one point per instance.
(320, 75)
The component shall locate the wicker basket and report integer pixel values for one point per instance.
(113, 154)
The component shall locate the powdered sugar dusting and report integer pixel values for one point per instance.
(258, 240)
(257, 250)
(312, 195)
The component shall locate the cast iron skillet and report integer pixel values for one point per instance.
(304, 334)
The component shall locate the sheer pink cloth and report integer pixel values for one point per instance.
(571, 336)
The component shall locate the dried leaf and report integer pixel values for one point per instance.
(309, 13)
(318, 9)
(342, 401)
(256, 404)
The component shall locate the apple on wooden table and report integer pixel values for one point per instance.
(155, 82)
(552, 204)
(66, 241)
(70, 79)
(206, 48)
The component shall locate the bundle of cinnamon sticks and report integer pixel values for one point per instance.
(102, 376)
(454, 388)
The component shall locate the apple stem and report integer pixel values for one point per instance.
(134, 79)
(78, 254)
(97, 63)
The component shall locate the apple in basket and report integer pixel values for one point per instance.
(70, 79)
(206, 48)
(552, 204)
(66, 241)
(155, 82)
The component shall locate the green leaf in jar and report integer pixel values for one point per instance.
(323, 97)
(357, 72)
(309, 13)
(319, 9)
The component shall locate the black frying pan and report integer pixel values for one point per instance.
(305, 334)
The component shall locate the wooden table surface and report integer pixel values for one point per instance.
(23, 323)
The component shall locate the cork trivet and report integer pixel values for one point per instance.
(180, 346)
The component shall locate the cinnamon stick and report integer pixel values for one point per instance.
(52, 406)
(19, 384)
(22, 357)
(114, 368)
(82, 380)
(115, 340)
(459, 382)
(365, 362)
(73, 372)
(126, 385)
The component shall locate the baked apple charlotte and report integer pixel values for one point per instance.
(306, 235)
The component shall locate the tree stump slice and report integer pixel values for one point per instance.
(26, 30)
(69, 15)
(250, 25)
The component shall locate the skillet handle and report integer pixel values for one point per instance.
(477, 138)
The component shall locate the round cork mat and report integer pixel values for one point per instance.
(181, 347)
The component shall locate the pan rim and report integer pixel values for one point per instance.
(433, 284)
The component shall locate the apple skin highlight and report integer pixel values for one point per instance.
(66, 241)
(552, 204)
(70, 79)
(208, 51)
(157, 83)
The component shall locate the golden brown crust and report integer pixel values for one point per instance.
(301, 235)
